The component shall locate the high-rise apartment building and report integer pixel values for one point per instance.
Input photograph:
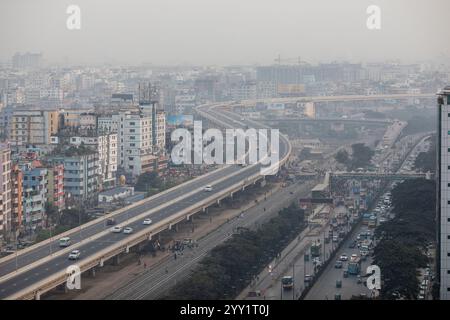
(17, 198)
(443, 191)
(5, 189)
(34, 198)
(135, 142)
(33, 127)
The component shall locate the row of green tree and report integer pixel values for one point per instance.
(426, 161)
(360, 157)
(230, 267)
(63, 221)
(400, 251)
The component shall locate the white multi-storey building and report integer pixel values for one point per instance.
(5, 189)
(159, 132)
(443, 191)
(135, 143)
(106, 146)
(108, 123)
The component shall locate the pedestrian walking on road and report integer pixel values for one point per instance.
(145, 265)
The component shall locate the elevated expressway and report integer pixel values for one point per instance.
(252, 102)
(37, 269)
(376, 175)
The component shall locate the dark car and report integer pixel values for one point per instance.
(338, 264)
(352, 245)
(110, 222)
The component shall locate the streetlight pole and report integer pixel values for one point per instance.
(281, 288)
(51, 240)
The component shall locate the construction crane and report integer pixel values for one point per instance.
(298, 60)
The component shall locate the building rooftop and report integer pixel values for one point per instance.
(115, 191)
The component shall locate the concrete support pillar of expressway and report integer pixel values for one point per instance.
(102, 262)
(37, 296)
(116, 260)
(92, 272)
(62, 288)
(218, 202)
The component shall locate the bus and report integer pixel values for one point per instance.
(316, 249)
(64, 242)
(287, 282)
(354, 266)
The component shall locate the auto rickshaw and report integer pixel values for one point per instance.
(337, 296)
(345, 274)
(338, 283)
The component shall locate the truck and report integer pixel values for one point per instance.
(366, 218)
(287, 282)
(372, 222)
(316, 249)
(354, 266)
(364, 250)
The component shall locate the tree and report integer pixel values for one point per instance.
(52, 214)
(361, 155)
(400, 251)
(230, 267)
(426, 161)
(73, 217)
(148, 180)
(342, 157)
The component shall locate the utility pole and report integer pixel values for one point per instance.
(293, 281)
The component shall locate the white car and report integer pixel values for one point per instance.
(74, 255)
(208, 188)
(354, 256)
(128, 230)
(147, 221)
(343, 257)
(317, 261)
(116, 229)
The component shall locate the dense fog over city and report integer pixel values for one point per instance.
(206, 32)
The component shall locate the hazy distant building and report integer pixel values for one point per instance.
(27, 60)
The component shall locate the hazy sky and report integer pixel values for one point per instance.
(225, 31)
